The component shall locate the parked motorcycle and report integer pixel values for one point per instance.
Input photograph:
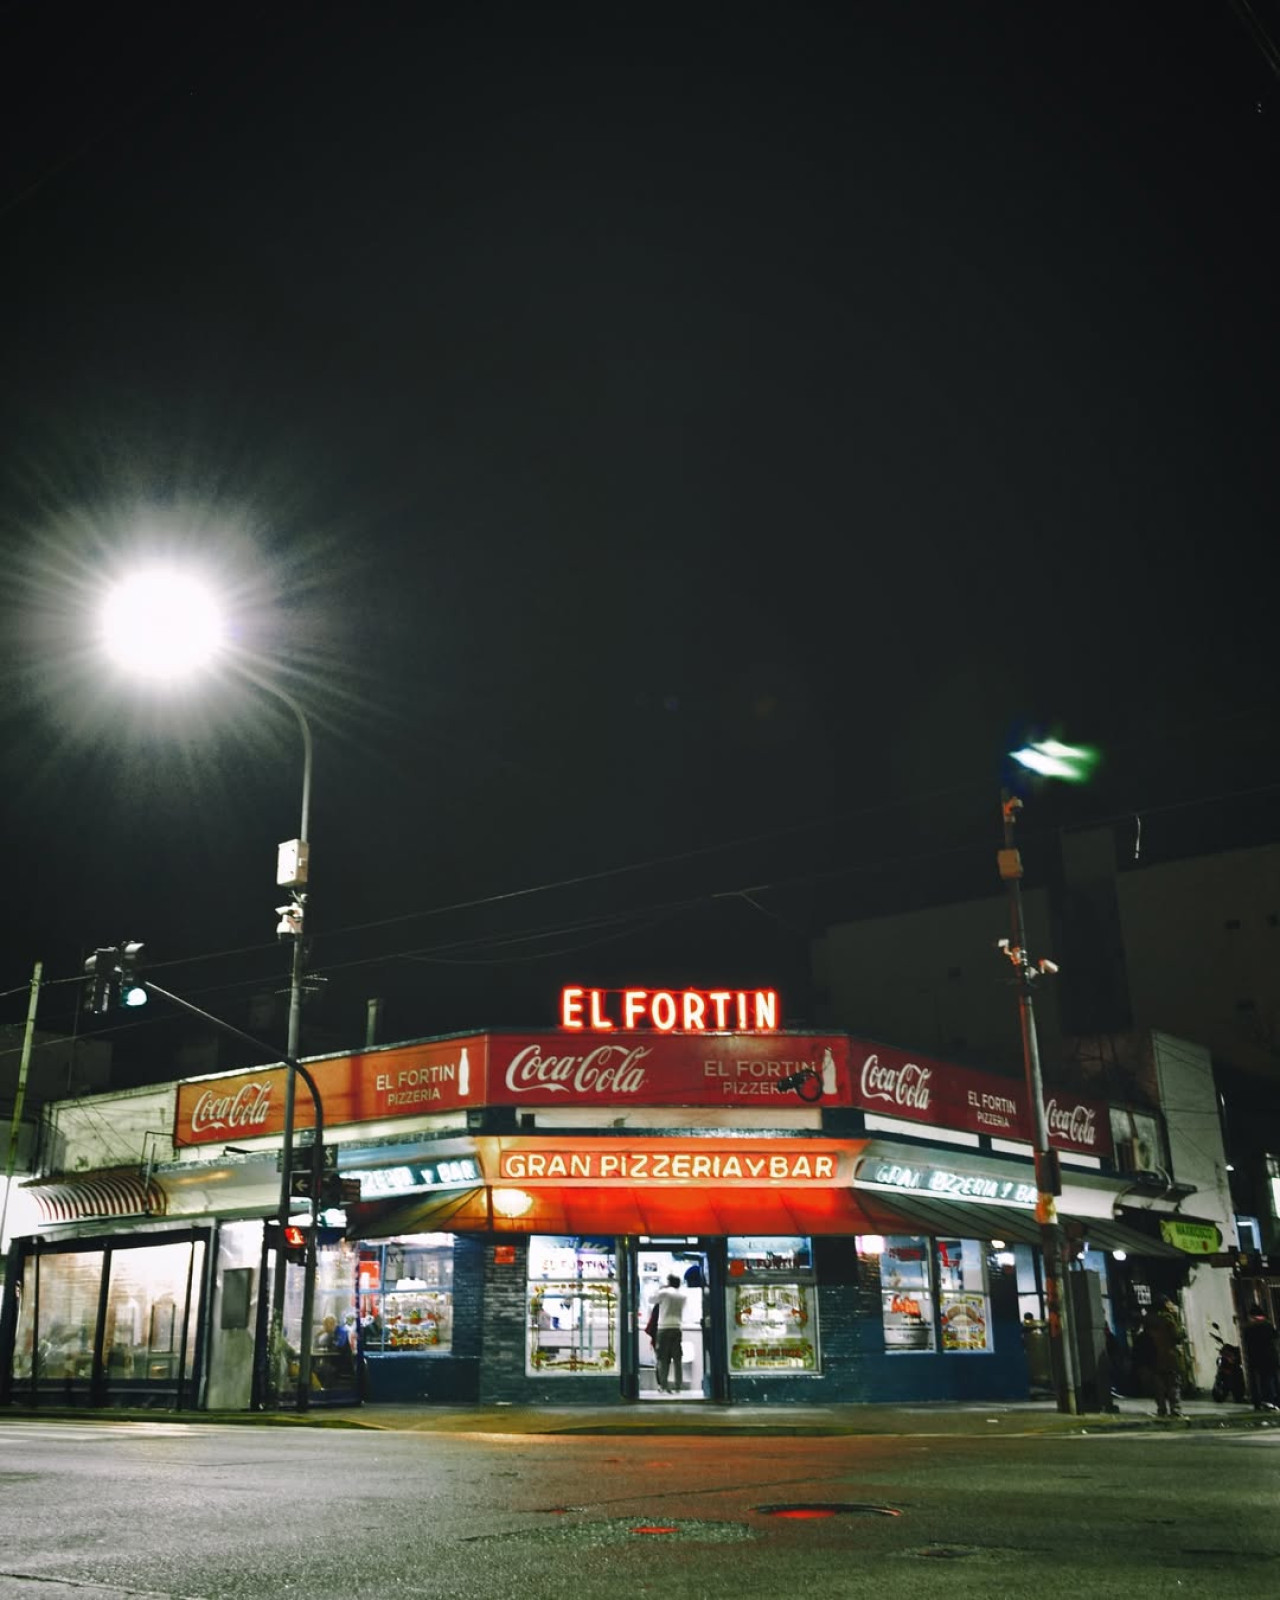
(1228, 1379)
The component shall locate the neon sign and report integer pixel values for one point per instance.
(669, 1010)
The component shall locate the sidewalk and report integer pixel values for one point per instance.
(668, 1418)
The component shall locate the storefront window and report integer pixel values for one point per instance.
(772, 1306)
(146, 1303)
(572, 1319)
(962, 1294)
(69, 1287)
(405, 1295)
(906, 1295)
(112, 1321)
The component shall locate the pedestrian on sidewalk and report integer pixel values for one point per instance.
(670, 1348)
(1155, 1353)
(1262, 1359)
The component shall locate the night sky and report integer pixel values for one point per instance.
(671, 452)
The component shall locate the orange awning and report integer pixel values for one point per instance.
(619, 1210)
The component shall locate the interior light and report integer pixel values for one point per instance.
(512, 1202)
(1119, 1255)
(870, 1244)
(997, 1244)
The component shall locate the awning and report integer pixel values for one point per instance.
(953, 1219)
(123, 1193)
(442, 1211)
(631, 1210)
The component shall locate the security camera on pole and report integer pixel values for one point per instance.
(1049, 759)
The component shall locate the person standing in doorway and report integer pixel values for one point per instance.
(670, 1347)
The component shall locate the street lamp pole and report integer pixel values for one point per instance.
(291, 873)
(1048, 1175)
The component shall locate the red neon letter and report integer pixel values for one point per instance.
(599, 1021)
(766, 1010)
(719, 998)
(571, 1008)
(633, 1006)
(695, 1011)
(662, 1008)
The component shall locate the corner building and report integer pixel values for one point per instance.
(522, 1198)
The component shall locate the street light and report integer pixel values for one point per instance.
(1049, 758)
(166, 625)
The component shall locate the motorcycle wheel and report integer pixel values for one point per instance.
(1219, 1393)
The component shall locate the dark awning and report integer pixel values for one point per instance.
(121, 1193)
(953, 1219)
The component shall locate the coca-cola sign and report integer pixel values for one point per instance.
(404, 1081)
(905, 1084)
(536, 1070)
(246, 1108)
(655, 1069)
(1072, 1123)
(913, 1088)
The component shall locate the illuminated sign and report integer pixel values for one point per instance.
(1196, 1238)
(759, 1163)
(457, 1173)
(876, 1174)
(669, 1010)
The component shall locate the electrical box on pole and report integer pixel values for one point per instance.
(292, 860)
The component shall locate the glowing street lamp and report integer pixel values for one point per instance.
(1073, 764)
(166, 625)
(162, 625)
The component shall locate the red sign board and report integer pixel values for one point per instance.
(914, 1088)
(410, 1080)
(562, 1070)
(661, 1069)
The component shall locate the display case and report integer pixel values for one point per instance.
(772, 1309)
(906, 1296)
(963, 1302)
(572, 1306)
(406, 1295)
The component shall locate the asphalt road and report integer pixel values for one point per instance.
(94, 1511)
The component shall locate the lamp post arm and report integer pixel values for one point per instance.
(304, 728)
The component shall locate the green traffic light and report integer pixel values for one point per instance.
(1072, 763)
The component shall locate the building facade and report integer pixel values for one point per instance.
(845, 1221)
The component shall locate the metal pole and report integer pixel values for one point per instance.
(294, 1068)
(297, 968)
(24, 1066)
(1048, 1181)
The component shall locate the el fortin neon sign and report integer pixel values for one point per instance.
(669, 1010)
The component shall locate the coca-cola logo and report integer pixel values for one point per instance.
(612, 1067)
(1078, 1124)
(906, 1085)
(248, 1107)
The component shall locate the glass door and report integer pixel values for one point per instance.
(673, 1364)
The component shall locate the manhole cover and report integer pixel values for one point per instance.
(828, 1508)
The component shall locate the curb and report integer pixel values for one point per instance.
(934, 1426)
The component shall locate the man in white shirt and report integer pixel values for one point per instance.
(669, 1349)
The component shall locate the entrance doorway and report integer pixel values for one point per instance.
(657, 1260)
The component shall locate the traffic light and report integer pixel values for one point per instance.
(113, 974)
(290, 1239)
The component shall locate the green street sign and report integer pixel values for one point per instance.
(1196, 1238)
